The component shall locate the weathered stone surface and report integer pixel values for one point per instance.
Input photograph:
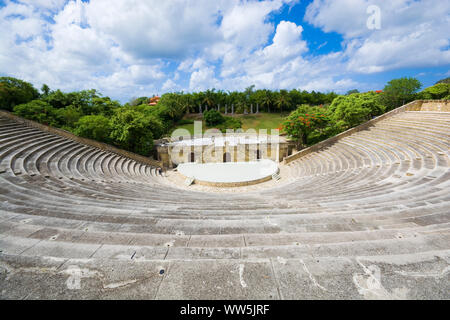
(219, 280)
(365, 215)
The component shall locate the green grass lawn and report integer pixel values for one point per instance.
(249, 121)
(262, 121)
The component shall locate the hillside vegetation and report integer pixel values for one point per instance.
(312, 116)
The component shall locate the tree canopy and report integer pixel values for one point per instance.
(314, 115)
(96, 127)
(14, 92)
(134, 131)
(400, 91)
(301, 123)
(436, 92)
(213, 117)
(357, 108)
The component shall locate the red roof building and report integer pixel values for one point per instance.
(153, 101)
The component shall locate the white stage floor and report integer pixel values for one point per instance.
(229, 172)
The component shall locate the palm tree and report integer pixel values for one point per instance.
(283, 100)
(185, 103)
(267, 100)
(209, 98)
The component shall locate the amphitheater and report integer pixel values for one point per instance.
(364, 215)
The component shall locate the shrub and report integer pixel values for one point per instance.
(304, 122)
(350, 111)
(37, 110)
(213, 118)
(94, 127)
(230, 123)
(438, 91)
(185, 121)
(134, 131)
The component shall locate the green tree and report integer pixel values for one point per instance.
(302, 122)
(209, 98)
(68, 117)
(14, 92)
(104, 106)
(139, 101)
(400, 91)
(267, 100)
(39, 111)
(95, 127)
(45, 90)
(174, 105)
(352, 92)
(283, 100)
(213, 117)
(436, 92)
(350, 111)
(57, 99)
(134, 131)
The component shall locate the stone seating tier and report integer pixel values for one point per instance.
(371, 207)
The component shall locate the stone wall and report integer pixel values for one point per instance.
(435, 105)
(230, 184)
(85, 141)
(213, 154)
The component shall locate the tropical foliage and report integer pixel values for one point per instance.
(301, 123)
(14, 91)
(436, 92)
(213, 117)
(350, 111)
(399, 92)
(133, 126)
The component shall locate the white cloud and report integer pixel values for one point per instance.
(170, 85)
(412, 34)
(203, 78)
(51, 5)
(154, 28)
(287, 45)
(129, 48)
(324, 84)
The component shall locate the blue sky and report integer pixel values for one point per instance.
(131, 48)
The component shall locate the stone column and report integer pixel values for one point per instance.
(283, 151)
(164, 156)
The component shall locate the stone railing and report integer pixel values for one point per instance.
(412, 106)
(433, 105)
(85, 141)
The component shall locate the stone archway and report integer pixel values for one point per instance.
(226, 157)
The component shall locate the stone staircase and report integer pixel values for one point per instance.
(366, 217)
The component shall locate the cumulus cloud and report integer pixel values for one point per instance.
(131, 48)
(412, 33)
(154, 28)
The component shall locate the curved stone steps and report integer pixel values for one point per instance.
(380, 193)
